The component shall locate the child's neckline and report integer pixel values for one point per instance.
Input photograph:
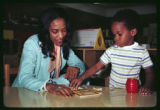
(135, 44)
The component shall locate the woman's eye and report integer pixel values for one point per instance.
(54, 31)
(64, 30)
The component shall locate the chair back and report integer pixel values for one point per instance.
(7, 73)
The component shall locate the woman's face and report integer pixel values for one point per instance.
(57, 30)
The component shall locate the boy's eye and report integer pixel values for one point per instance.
(120, 34)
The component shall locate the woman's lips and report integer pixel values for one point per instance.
(59, 42)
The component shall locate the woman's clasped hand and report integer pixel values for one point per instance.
(60, 90)
(71, 73)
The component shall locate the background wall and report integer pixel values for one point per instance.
(22, 20)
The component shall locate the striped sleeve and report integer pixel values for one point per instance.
(105, 58)
(146, 60)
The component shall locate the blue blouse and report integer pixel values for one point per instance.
(33, 70)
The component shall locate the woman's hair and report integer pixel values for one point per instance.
(47, 45)
(130, 18)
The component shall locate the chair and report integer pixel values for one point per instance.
(7, 72)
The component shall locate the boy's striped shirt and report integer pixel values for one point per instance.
(126, 63)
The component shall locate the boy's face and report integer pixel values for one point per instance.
(122, 35)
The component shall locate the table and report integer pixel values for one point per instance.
(21, 97)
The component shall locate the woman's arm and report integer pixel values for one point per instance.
(26, 76)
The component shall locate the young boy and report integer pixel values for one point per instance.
(126, 56)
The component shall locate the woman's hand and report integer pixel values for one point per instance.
(75, 83)
(145, 91)
(60, 90)
(71, 73)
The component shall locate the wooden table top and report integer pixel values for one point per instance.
(21, 97)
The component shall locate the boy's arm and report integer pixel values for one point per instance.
(149, 78)
(95, 68)
(147, 88)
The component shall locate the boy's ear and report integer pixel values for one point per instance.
(133, 32)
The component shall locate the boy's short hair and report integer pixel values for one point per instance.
(130, 18)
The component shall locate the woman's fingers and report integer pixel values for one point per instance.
(60, 90)
(67, 73)
(71, 73)
(58, 93)
(64, 91)
(67, 92)
(75, 75)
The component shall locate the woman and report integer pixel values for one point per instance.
(46, 53)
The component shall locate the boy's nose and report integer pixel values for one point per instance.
(115, 38)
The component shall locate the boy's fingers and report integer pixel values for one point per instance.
(71, 84)
(145, 91)
(76, 86)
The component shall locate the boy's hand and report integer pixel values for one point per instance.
(75, 83)
(145, 91)
(71, 73)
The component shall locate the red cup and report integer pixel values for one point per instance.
(132, 85)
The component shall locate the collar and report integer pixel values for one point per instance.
(135, 44)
